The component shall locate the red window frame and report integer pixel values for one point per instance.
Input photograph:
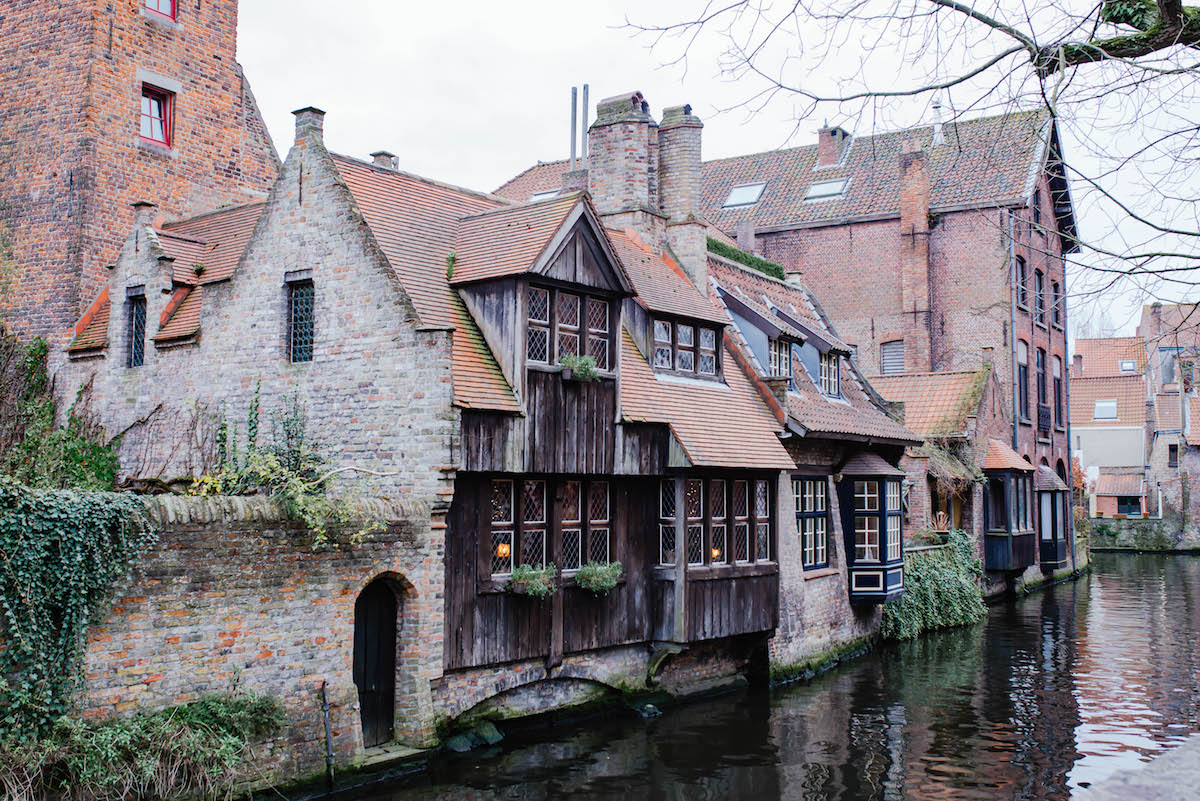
(167, 101)
(156, 6)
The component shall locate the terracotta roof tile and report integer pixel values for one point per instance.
(1129, 391)
(660, 283)
(1001, 457)
(414, 222)
(1128, 484)
(1046, 480)
(935, 404)
(1103, 357)
(699, 414)
(1193, 432)
(1180, 325)
(181, 317)
(541, 177)
(509, 240)
(216, 241)
(91, 332)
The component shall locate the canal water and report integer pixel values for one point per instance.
(1051, 693)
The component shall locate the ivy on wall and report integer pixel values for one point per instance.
(941, 590)
(60, 553)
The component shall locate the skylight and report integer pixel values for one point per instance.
(543, 195)
(825, 190)
(1128, 366)
(744, 195)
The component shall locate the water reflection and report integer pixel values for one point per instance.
(1049, 694)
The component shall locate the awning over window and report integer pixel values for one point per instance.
(1001, 457)
(869, 464)
(1046, 480)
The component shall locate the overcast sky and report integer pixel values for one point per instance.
(474, 92)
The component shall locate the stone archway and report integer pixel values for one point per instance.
(377, 616)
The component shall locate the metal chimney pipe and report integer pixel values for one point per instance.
(574, 130)
(583, 135)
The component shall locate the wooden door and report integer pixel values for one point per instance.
(375, 661)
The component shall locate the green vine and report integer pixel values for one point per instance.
(941, 590)
(60, 553)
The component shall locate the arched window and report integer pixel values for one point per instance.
(1039, 297)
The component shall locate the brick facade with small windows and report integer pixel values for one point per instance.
(72, 159)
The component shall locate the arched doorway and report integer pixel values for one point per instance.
(375, 661)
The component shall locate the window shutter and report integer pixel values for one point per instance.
(891, 357)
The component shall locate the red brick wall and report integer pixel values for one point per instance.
(71, 160)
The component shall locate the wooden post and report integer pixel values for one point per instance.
(556, 600)
(680, 627)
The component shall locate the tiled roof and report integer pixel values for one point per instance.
(935, 404)
(216, 241)
(718, 425)
(509, 240)
(181, 317)
(1129, 391)
(541, 177)
(982, 160)
(414, 222)
(1129, 484)
(1103, 357)
(1193, 432)
(1168, 413)
(1180, 325)
(1001, 457)
(660, 283)
(855, 413)
(1046, 480)
(867, 463)
(91, 332)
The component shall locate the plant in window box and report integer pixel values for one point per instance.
(578, 368)
(599, 577)
(537, 582)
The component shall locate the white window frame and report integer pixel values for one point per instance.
(1108, 403)
(826, 190)
(750, 194)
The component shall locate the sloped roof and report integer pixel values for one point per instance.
(660, 283)
(1103, 356)
(1046, 480)
(867, 463)
(1001, 457)
(717, 425)
(91, 332)
(1168, 412)
(1193, 432)
(508, 241)
(414, 221)
(1129, 391)
(216, 241)
(541, 177)
(935, 404)
(1128, 484)
(181, 318)
(1180, 325)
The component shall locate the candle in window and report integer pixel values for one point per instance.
(503, 550)
(716, 554)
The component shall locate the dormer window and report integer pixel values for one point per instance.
(684, 347)
(744, 195)
(826, 190)
(781, 358)
(1128, 366)
(831, 377)
(561, 323)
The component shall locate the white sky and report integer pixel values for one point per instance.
(474, 92)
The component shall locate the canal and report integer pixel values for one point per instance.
(1051, 693)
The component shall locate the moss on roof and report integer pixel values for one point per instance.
(747, 259)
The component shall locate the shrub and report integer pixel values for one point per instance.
(599, 577)
(199, 749)
(748, 259)
(537, 582)
(940, 591)
(584, 367)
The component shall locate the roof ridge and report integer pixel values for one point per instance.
(529, 169)
(528, 204)
(462, 190)
(927, 372)
(215, 212)
(181, 237)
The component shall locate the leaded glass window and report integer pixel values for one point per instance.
(502, 526)
(599, 525)
(762, 522)
(533, 524)
(707, 356)
(663, 356)
(741, 523)
(666, 523)
(568, 325)
(694, 496)
(537, 348)
(301, 323)
(716, 506)
(572, 527)
(136, 354)
(598, 331)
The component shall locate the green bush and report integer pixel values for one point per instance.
(941, 590)
(199, 749)
(537, 582)
(748, 259)
(584, 367)
(599, 577)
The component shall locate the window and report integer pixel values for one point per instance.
(1172, 456)
(812, 521)
(1166, 361)
(1024, 512)
(164, 7)
(157, 112)
(831, 379)
(1057, 301)
(1020, 277)
(1037, 207)
(585, 539)
(666, 523)
(1127, 366)
(1039, 297)
(549, 193)
(561, 323)
(744, 195)
(1023, 379)
(502, 527)
(685, 348)
(996, 509)
(741, 523)
(824, 190)
(1129, 505)
(533, 523)
(866, 526)
(1058, 392)
(762, 522)
(891, 357)
(301, 296)
(718, 543)
(707, 542)
(520, 526)
(1042, 387)
(781, 358)
(1105, 410)
(893, 521)
(136, 325)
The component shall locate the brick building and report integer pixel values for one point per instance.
(727, 451)
(125, 100)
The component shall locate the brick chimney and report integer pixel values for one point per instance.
(623, 165)
(384, 159)
(831, 145)
(309, 120)
(679, 179)
(914, 256)
(1077, 365)
(1156, 318)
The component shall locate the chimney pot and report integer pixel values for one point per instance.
(831, 145)
(1077, 364)
(309, 120)
(383, 158)
(143, 212)
(745, 235)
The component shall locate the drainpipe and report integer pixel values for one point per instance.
(1012, 326)
(1067, 401)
